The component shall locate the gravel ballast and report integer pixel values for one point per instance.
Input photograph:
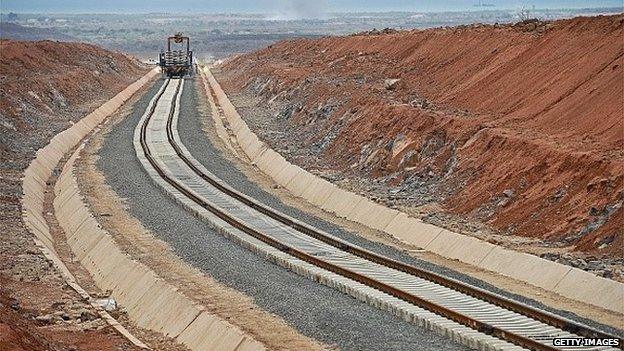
(315, 310)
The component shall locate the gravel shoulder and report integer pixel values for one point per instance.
(314, 310)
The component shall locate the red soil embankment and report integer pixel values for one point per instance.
(520, 126)
(44, 87)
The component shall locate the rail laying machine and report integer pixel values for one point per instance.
(177, 63)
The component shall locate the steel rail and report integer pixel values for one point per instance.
(428, 305)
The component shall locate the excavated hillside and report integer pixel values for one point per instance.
(518, 126)
(46, 86)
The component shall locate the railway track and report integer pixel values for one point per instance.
(515, 325)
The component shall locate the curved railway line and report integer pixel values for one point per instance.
(484, 312)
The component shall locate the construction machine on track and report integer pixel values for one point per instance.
(177, 63)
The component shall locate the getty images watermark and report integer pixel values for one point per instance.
(585, 342)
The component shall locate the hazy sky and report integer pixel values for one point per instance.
(313, 7)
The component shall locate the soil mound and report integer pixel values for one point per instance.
(519, 126)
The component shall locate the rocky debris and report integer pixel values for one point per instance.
(45, 319)
(559, 194)
(420, 103)
(605, 267)
(375, 31)
(78, 313)
(66, 311)
(532, 25)
(391, 84)
(108, 304)
(86, 315)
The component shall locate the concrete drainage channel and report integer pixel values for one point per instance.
(151, 303)
(168, 164)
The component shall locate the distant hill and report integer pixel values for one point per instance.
(16, 32)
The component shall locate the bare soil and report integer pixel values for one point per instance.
(19, 332)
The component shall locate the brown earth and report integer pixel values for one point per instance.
(46, 86)
(519, 126)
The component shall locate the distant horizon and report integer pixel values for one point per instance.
(328, 13)
(294, 8)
